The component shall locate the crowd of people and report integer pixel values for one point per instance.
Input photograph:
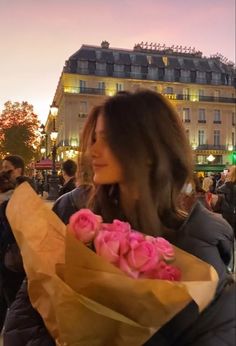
(135, 149)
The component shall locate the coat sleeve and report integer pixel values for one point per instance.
(24, 325)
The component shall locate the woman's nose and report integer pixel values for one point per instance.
(94, 150)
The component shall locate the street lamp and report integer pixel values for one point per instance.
(53, 179)
(43, 135)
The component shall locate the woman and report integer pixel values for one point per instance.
(136, 147)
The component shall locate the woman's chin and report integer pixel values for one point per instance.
(98, 180)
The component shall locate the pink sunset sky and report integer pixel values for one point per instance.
(37, 36)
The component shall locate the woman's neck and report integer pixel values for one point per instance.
(128, 195)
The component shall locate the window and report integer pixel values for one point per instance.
(233, 119)
(185, 75)
(201, 137)
(136, 70)
(217, 116)
(233, 138)
(186, 115)
(83, 65)
(169, 90)
(216, 137)
(201, 92)
(165, 60)
(119, 87)
(101, 85)
(149, 59)
(201, 159)
(185, 93)
(201, 115)
(100, 67)
(82, 85)
(201, 76)
(118, 69)
(216, 78)
(101, 88)
(83, 109)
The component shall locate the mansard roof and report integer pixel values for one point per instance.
(142, 57)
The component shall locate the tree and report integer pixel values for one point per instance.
(19, 130)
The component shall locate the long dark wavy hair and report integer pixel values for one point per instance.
(146, 135)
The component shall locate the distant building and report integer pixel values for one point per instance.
(202, 90)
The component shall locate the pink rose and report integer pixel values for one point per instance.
(120, 226)
(124, 266)
(85, 224)
(164, 248)
(135, 238)
(110, 245)
(117, 226)
(142, 255)
(163, 271)
(168, 272)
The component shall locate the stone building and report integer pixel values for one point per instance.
(201, 88)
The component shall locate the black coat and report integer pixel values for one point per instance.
(228, 205)
(10, 280)
(67, 187)
(205, 235)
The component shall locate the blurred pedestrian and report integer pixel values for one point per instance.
(228, 205)
(69, 168)
(11, 269)
(15, 164)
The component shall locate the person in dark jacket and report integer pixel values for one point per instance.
(139, 174)
(11, 266)
(69, 168)
(228, 205)
(72, 201)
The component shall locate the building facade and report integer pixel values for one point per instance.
(202, 90)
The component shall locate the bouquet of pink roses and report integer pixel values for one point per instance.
(137, 255)
(107, 296)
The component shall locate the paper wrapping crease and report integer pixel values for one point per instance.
(83, 299)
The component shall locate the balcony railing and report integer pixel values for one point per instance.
(217, 99)
(84, 90)
(205, 98)
(184, 97)
(212, 147)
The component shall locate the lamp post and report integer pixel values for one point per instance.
(43, 135)
(53, 179)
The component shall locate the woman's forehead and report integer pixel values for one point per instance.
(100, 124)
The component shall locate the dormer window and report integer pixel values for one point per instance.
(165, 60)
(149, 59)
(82, 65)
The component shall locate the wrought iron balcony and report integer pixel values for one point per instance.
(211, 147)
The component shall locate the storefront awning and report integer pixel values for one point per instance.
(45, 164)
(209, 168)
